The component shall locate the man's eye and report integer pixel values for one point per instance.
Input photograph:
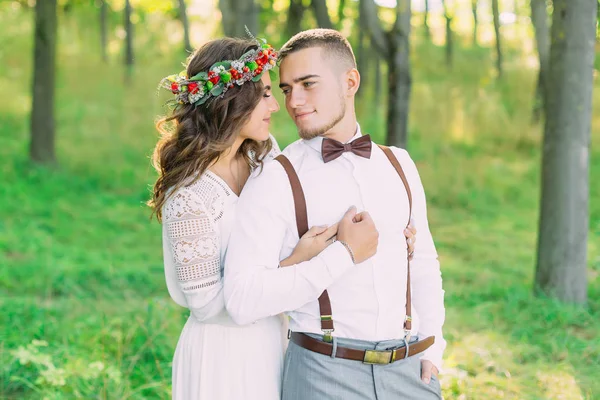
(285, 91)
(308, 84)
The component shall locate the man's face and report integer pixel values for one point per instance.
(312, 87)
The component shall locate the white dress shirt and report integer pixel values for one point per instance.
(368, 299)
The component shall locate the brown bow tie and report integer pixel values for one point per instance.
(332, 149)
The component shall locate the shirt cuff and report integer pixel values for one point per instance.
(337, 260)
(434, 354)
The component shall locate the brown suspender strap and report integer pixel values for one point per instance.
(390, 155)
(302, 226)
(298, 193)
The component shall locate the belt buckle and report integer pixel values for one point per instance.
(378, 357)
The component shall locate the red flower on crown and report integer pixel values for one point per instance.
(193, 87)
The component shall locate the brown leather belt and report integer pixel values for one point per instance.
(366, 356)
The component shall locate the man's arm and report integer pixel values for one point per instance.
(254, 287)
(426, 278)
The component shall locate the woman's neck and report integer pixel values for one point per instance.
(229, 156)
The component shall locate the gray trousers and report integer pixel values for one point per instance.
(312, 376)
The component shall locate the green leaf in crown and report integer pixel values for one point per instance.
(217, 90)
(273, 74)
(203, 100)
(200, 76)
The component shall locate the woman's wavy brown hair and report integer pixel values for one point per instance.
(193, 138)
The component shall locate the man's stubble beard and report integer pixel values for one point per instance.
(315, 132)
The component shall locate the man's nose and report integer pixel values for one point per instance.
(296, 99)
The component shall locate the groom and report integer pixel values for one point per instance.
(358, 330)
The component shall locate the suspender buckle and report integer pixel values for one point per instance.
(327, 337)
(407, 336)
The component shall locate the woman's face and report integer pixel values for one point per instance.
(257, 127)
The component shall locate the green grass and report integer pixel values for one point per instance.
(81, 264)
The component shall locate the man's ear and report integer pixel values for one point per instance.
(352, 82)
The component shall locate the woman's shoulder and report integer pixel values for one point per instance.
(275, 144)
(201, 194)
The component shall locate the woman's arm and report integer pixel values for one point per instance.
(195, 254)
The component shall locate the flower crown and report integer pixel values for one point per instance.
(222, 76)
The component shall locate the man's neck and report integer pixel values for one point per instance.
(344, 130)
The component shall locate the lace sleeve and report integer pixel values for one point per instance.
(195, 252)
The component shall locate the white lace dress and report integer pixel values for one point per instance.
(215, 359)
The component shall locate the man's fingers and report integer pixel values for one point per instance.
(427, 368)
(363, 216)
(350, 213)
(426, 372)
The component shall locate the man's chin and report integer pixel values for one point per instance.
(308, 134)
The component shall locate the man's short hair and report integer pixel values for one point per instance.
(334, 44)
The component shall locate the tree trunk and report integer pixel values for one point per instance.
(399, 77)
(539, 18)
(42, 110)
(449, 39)
(377, 36)
(361, 60)
(377, 61)
(103, 30)
(340, 13)
(236, 14)
(564, 220)
(321, 14)
(426, 20)
(128, 39)
(294, 20)
(363, 53)
(186, 26)
(496, 15)
(475, 21)
(248, 13)
(228, 18)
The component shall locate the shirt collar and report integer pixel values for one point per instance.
(317, 142)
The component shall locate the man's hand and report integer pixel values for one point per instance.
(359, 232)
(427, 368)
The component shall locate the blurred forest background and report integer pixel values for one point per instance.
(493, 99)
